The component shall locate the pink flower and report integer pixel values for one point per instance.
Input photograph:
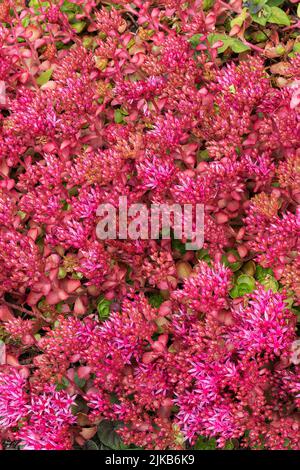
(207, 289)
(50, 417)
(13, 398)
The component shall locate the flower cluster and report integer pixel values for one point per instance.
(40, 421)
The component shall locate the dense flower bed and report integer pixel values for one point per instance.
(142, 343)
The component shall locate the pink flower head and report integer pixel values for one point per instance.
(13, 398)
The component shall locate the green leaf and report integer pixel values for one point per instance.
(233, 266)
(73, 191)
(60, 45)
(108, 436)
(44, 77)
(244, 285)
(25, 21)
(275, 3)
(266, 278)
(238, 46)
(118, 116)
(270, 283)
(205, 444)
(286, 442)
(61, 273)
(234, 293)
(278, 16)
(195, 40)
(202, 155)
(177, 245)
(212, 38)
(70, 7)
(91, 445)
(130, 43)
(155, 300)
(259, 36)
(256, 6)
(235, 44)
(296, 47)
(248, 280)
(116, 6)
(114, 399)
(239, 20)
(261, 273)
(36, 4)
(77, 275)
(59, 306)
(262, 20)
(262, 16)
(63, 384)
(79, 382)
(207, 4)
(124, 112)
(103, 308)
(229, 445)
(22, 215)
(79, 26)
(289, 301)
(203, 255)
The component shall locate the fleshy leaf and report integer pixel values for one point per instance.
(103, 308)
(118, 116)
(244, 285)
(239, 20)
(275, 3)
(205, 444)
(91, 445)
(44, 77)
(238, 46)
(108, 436)
(79, 26)
(278, 16)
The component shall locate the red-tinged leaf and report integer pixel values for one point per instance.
(5, 313)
